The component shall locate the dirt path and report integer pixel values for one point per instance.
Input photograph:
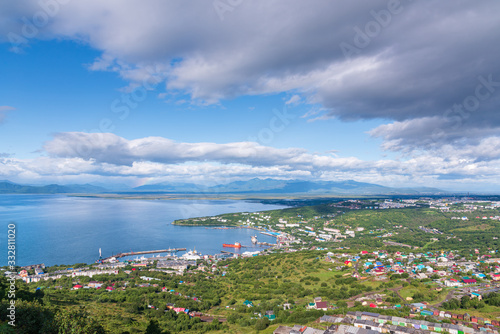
(366, 294)
(448, 297)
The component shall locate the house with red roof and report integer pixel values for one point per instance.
(469, 281)
(321, 306)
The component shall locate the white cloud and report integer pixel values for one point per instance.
(110, 148)
(163, 159)
(429, 171)
(3, 112)
(6, 108)
(294, 100)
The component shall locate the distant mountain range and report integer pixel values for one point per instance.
(253, 186)
(7, 187)
(273, 186)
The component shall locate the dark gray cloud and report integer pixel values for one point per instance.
(408, 62)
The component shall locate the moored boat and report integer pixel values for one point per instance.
(235, 245)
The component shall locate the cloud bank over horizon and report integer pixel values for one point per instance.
(96, 157)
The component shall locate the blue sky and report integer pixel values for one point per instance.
(66, 96)
(211, 96)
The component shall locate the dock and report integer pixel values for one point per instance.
(170, 250)
(271, 234)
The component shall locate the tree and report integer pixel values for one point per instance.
(31, 317)
(465, 302)
(233, 318)
(77, 322)
(262, 324)
(341, 303)
(153, 327)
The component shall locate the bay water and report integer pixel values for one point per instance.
(60, 229)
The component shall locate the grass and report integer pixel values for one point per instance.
(489, 312)
(479, 227)
(374, 284)
(441, 296)
(408, 291)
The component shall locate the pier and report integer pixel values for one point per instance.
(271, 234)
(170, 250)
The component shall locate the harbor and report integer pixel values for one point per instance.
(236, 246)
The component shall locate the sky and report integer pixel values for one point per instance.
(398, 93)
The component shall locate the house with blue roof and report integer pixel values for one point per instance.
(419, 306)
(476, 295)
(248, 303)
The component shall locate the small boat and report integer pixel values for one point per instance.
(254, 239)
(235, 245)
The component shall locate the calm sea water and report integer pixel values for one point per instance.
(57, 229)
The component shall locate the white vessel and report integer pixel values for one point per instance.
(192, 255)
(254, 239)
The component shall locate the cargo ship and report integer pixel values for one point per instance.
(235, 245)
